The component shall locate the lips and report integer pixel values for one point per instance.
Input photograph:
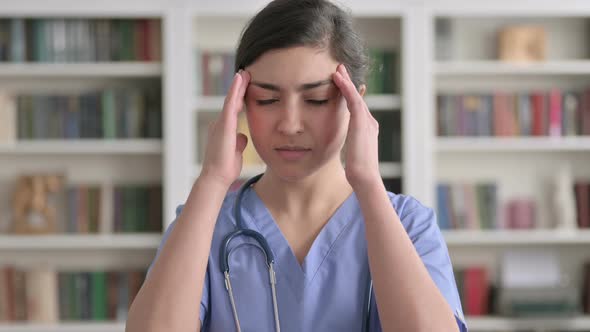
(292, 148)
(292, 153)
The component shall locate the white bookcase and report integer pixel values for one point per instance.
(520, 165)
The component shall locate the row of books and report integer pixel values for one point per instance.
(138, 209)
(476, 206)
(216, 71)
(79, 40)
(467, 205)
(81, 209)
(479, 296)
(474, 290)
(550, 113)
(110, 113)
(44, 295)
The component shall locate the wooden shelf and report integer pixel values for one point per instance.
(456, 238)
(64, 327)
(580, 323)
(492, 67)
(99, 69)
(512, 144)
(384, 102)
(82, 146)
(80, 242)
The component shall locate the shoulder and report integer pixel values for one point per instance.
(226, 209)
(225, 219)
(417, 218)
(406, 205)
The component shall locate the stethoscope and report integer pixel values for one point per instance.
(241, 230)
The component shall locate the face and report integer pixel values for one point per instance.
(297, 117)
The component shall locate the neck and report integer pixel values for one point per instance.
(323, 190)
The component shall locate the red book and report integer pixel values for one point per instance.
(476, 291)
(112, 294)
(143, 51)
(555, 113)
(9, 292)
(500, 110)
(538, 102)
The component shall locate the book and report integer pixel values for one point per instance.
(8, 122)
(42, 295)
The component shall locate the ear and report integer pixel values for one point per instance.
(362, 90)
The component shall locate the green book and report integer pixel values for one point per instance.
(99, 295)
(129, 209)
(390, 75)
(92, 225)
(374, 82)
(482, 207)
(109, 121)
(127, 44)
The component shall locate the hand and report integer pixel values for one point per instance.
(362, 156)
(223, 153)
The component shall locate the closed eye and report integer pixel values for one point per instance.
(317, 101)
(263, 102)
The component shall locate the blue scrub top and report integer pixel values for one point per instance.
(326, 292)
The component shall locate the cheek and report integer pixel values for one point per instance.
(256, 123)
(333, 126)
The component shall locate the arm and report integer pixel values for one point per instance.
(407, 297)
(169, 298)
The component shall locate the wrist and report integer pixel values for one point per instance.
(213, 184)
(369, 188)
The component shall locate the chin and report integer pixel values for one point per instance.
(291, 173)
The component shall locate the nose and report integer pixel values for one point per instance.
(291, 121)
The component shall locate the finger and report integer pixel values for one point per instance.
(233, 89)
(355, 102)
(244, 86)
(232, 105)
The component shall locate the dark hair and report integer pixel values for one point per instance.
(315, 23)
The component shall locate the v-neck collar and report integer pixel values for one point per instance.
(299, 276)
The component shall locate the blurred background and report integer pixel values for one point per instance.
(484, 112)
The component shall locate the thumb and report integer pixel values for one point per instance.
(241, 142)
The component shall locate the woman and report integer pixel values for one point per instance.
(331, 229)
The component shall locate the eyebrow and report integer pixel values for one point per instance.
(305, 86)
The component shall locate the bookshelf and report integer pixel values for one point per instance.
(87, 70)
(57, 67)
(520, 164)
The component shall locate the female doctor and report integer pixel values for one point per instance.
(296, 250)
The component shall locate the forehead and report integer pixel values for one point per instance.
(291, 67)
